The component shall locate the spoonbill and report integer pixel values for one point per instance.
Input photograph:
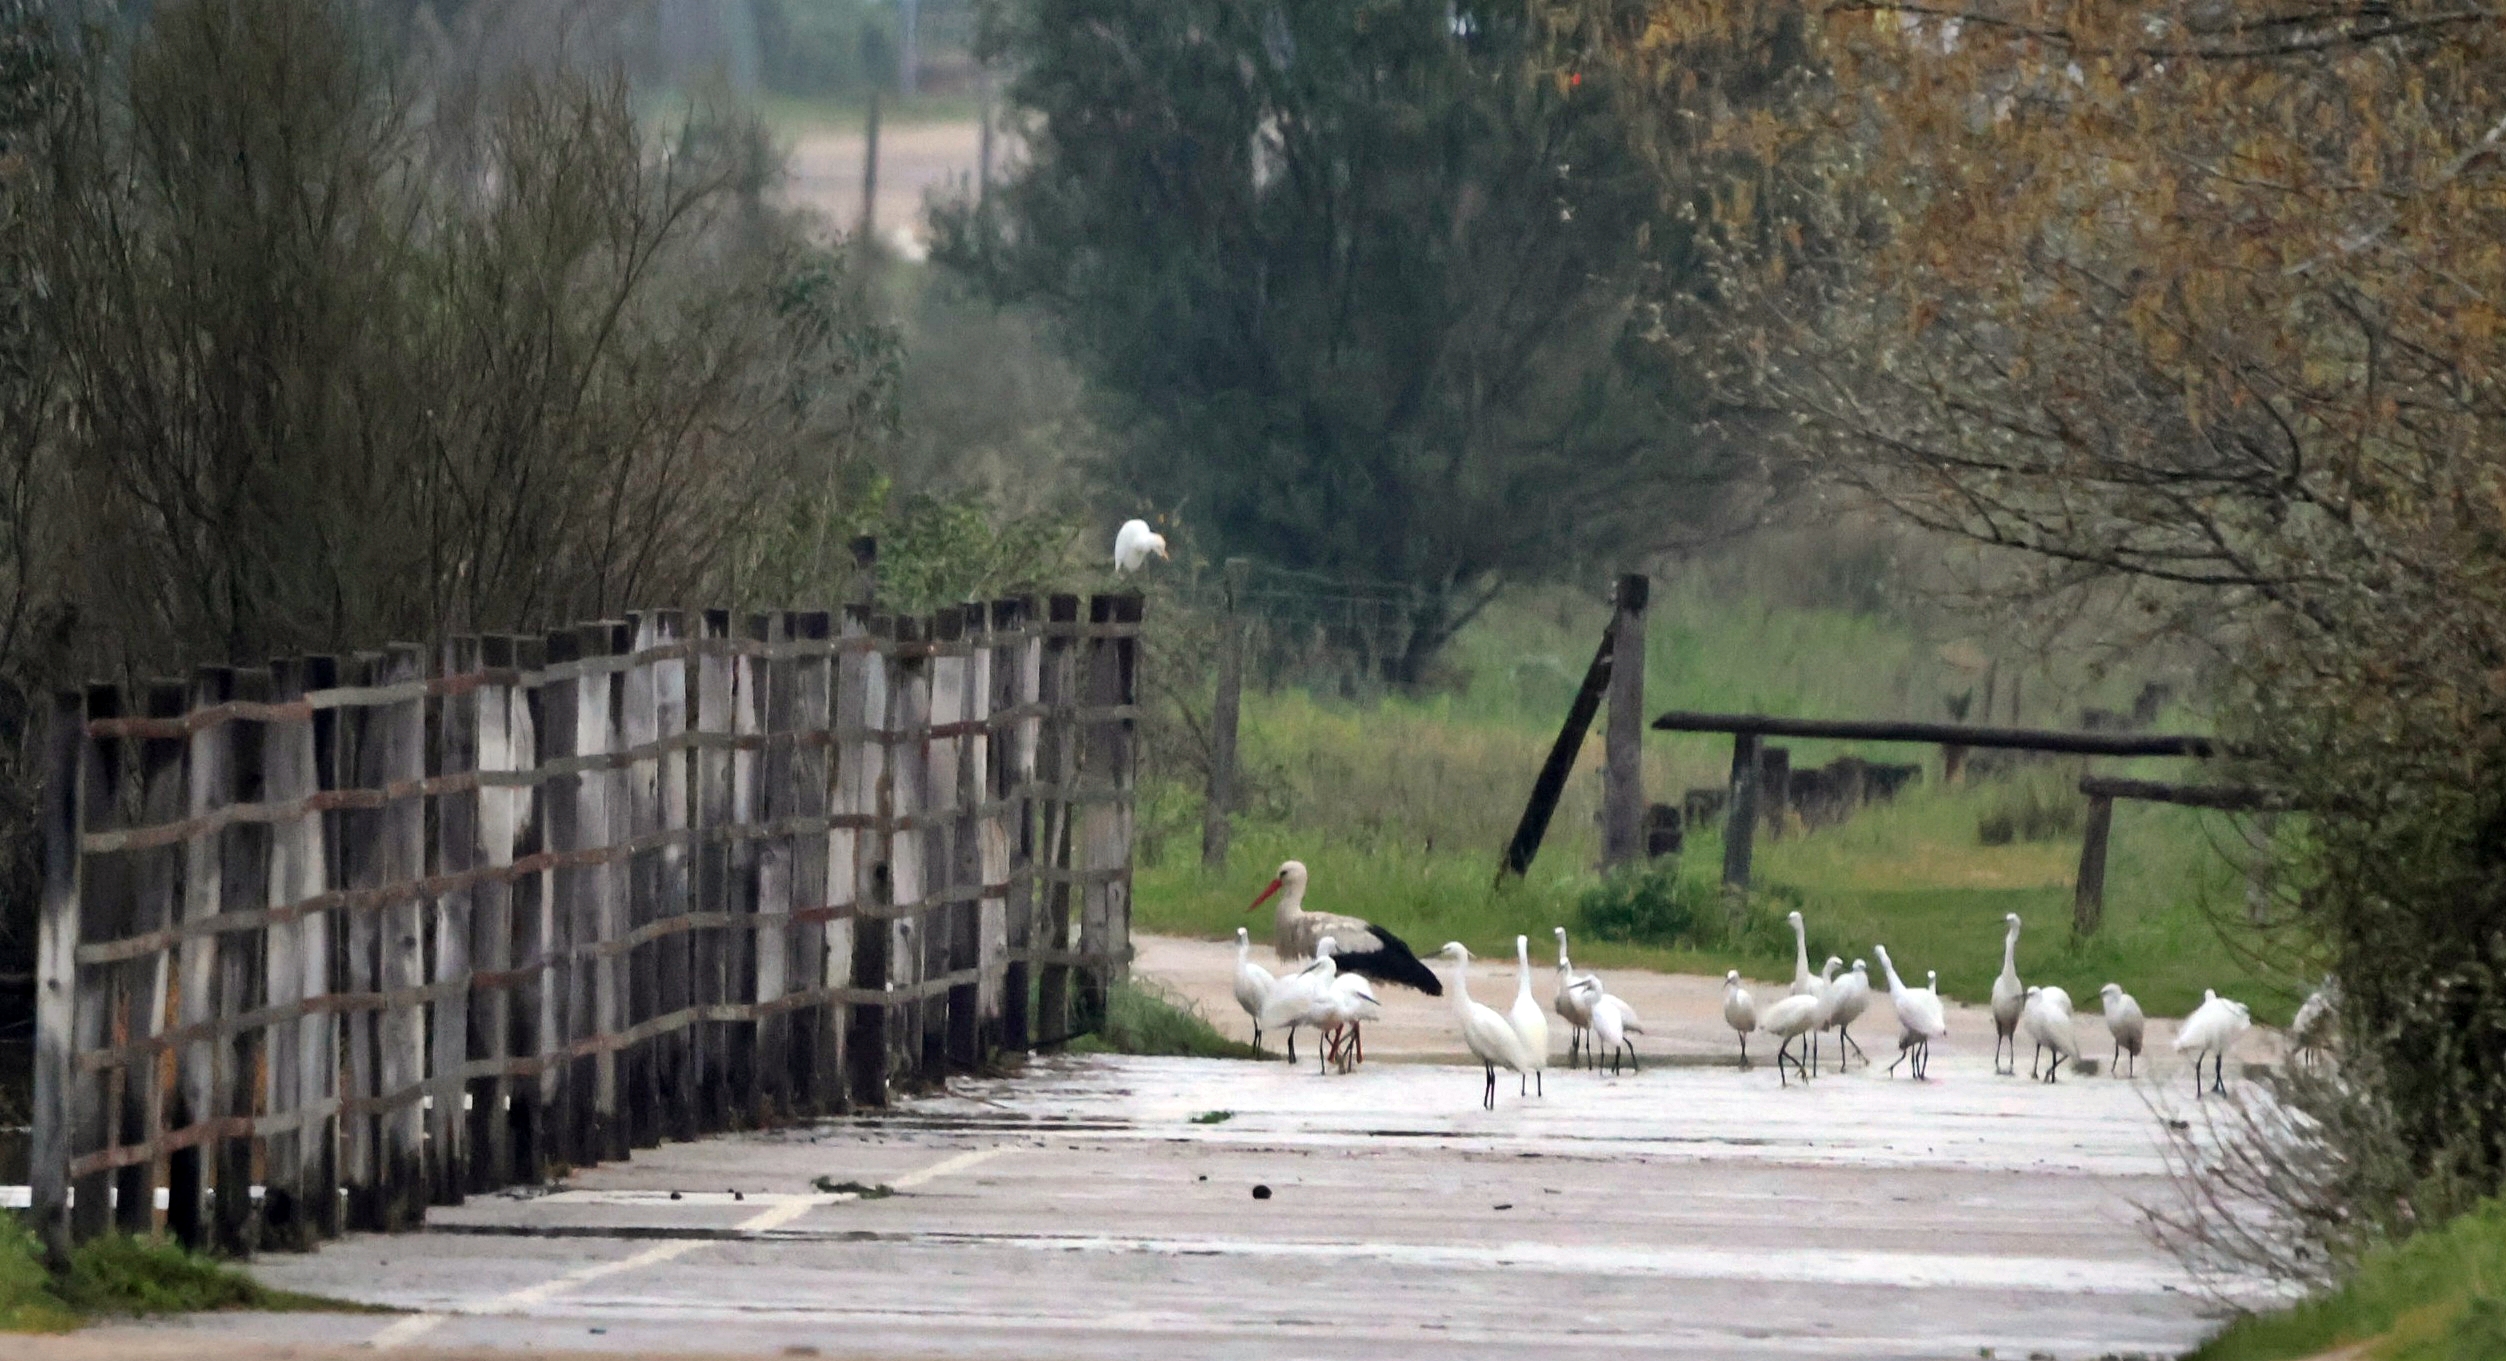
(2210, 1032)
(1575, 996)
(1612, 1022)
(1253, 984)
(2047, 1020)
(1365, 948)
(2059, 1000)
(1848, 997)
(1347, 1005)
(1297, 999)
(1526, 1019)
(1740, 1011)
(1920, 1019)
(2124, 1022)
(2317, 1018)
(1134, 542)
(1790, 1018)
(1489, 1037)
(2009, 998)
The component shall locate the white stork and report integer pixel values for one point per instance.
(1365, 948)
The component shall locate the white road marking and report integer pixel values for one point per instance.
(402, 1332)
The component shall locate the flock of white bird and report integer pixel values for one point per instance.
(1337, 958)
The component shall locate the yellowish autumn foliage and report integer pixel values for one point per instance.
(2198, 299)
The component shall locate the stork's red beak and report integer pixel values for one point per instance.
(1274, 888)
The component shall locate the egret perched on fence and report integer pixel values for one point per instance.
(1134, 542)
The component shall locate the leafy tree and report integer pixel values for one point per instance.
(1357, 281)
(2203, 300)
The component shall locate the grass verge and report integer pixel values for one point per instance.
(124, 1276)
(1143, 1018)
(2441, 1296)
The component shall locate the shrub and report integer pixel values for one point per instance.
(1657, 905)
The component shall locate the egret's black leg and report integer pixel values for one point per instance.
(1488, 1099)
(1744, 1052)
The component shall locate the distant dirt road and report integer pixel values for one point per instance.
(826, 166)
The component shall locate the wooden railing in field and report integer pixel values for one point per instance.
(365, 933)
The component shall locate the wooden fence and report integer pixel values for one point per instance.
(365, 933)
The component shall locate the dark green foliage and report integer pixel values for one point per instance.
(1143, 1018)
(1657, 905)
(1354, 280)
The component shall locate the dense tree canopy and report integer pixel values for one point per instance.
(1361, 283)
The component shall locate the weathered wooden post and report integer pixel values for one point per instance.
(56, 978)
(243, 983)
(457, 841)
(1022, 660)
(674, 1055)
(2088, 897)
(813, 1051)
(866, 1047)
(1217, 807)
(1561, 763)
(709, 953)
(489, 738)
(354, 767)
(771, 1095)
(561, 1021)
(1740, 818)
(1623, 777)
(529, 1116)
(1055, 772)
(103, 903)
(210, 787)
(148, 979)
(637, 823)
(396, 730)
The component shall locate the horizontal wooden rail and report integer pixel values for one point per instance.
(2224, 797)
(1945, 734)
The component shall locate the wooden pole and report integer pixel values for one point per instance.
(1216, 806)
(56, 985)
(398, 732)
(356, 764)
(1623, 778)
(1561, 763)
(770, 1092)
(710, 952)
(1868, 730)
(158, 874)
(816, 1078)
(488, 738)
(2088, 897)
(210, 787)
(1740, 817)
(242, 985)
(103, 903)
(870, 174)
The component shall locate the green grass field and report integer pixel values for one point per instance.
(1400, 808)
(2441, 1296)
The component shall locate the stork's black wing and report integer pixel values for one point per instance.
(1390, 961)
